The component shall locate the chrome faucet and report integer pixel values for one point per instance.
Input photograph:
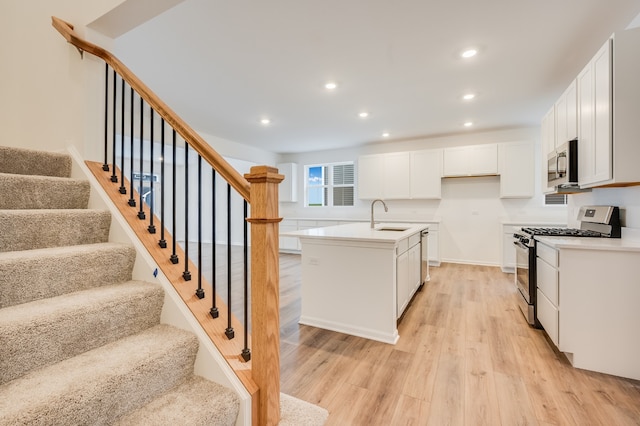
(373, 223)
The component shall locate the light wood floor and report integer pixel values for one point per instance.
(465, 357)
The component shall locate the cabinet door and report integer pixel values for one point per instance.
(586, 140)
(517, 170)
(415, 275)
(548, 145)
(475, 160)
(566, 115)
(396, 176)
(402, 282)
(370, 177)
(548, 316)
(602, 113)
(426, 174)
(594, 111)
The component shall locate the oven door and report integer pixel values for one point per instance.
(522, 270)
(525, 281)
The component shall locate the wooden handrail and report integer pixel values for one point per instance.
(237, 181)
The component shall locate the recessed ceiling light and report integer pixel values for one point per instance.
(363, 114)
(330, 85)
(469, 53)
(265, 121)
(468, 124)
(385, 135)
(468, 96)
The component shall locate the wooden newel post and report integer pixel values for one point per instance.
(265, 292)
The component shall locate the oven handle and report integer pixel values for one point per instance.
(522, 246)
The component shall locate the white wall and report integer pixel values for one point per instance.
(470, 210)
(45, 99)
(628, 199)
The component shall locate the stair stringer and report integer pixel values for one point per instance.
(209, 362)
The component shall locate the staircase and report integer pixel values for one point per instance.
(80, 341)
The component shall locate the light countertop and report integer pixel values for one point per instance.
(588, 243)
(361, 232)
(338, 219)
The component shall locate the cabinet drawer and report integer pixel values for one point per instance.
(414, 239)
(548, 316)
(547, 280)
(403, 245)
(549, 254)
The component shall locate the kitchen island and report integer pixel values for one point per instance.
(358, 280)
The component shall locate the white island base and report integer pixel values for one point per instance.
(350, 278)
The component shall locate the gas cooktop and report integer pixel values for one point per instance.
(561, 232)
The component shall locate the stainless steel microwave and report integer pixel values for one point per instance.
(562, 166)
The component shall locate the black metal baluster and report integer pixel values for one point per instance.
(200, 291)
(152, 195)
(122, 189)
(162, 243)
(114, 177)
(214, 309)
(174, 229)
(186, 274)
(246, 352)
(141, 214)
(229, 331)
(132, 201)
(105, 165)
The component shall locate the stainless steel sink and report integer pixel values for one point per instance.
(392, 228)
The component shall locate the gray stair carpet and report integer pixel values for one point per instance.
(22, 161)
(43, 192)
(81, 343)
(34, 229)
(66, 325)
(37, 274)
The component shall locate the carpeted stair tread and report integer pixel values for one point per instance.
(37, 274)
(68, 325)
(42, 192)
(30, 162)
(103, 384)
(34, 229)
(197, 402)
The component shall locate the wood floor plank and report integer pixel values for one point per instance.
(447, 402)
(480, 397)
(515, 405)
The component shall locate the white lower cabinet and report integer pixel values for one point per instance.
(408, 271)
(548, 316)
(548, 281)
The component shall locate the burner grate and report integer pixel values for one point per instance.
(561, 232)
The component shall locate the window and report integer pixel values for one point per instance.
(329, 185)
(555, 199)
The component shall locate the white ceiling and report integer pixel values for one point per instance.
(223, 65)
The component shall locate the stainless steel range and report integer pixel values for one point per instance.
(595, 222)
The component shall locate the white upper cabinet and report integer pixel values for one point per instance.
(400, 175)
(397, 176)
(548, 139)
(566, 116)
(426, 174)
(370, 177)
(517, 170)
(608, 105)
(474, 160)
